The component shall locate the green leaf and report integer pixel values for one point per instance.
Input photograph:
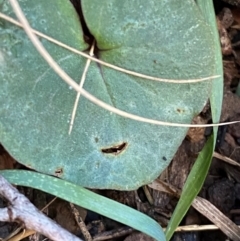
(192, 186)
(86, 199)
(200, 169)
(167, 39)
(216, 96)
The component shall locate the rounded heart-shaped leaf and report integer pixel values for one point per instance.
(167, 39)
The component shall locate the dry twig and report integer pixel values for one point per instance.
(81, 223)
(115, 233)
(22, 210)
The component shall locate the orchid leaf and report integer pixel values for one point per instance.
(168, 39)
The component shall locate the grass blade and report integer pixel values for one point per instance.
(192, 186)
(86, 199)
(206, 6)
(200, 169)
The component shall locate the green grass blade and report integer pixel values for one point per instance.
(192, 186)
(200, 169)
(86, 199)
(216, 97)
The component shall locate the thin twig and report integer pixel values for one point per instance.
(148, 195)
(48, 204)
(9, 19)
(16, 236)
(81, 223)
(113, 234)
(86, 94)
(81, 86)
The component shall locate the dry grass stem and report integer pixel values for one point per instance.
(148, 195)
(226, 159)
(218, 218)
(22, 235)
(48, 204)
(14, 233)
(81, 86)
(9, 19)
(83, 92)
(205, 208)
(194, 228)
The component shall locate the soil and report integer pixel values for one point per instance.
(222, 185)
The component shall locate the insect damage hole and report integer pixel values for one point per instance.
(115, 150)
(59, 172)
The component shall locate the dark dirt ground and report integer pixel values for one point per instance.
(222, 185)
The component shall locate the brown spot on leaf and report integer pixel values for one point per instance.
(180, 110)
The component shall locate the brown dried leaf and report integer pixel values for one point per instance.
(196, 134)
